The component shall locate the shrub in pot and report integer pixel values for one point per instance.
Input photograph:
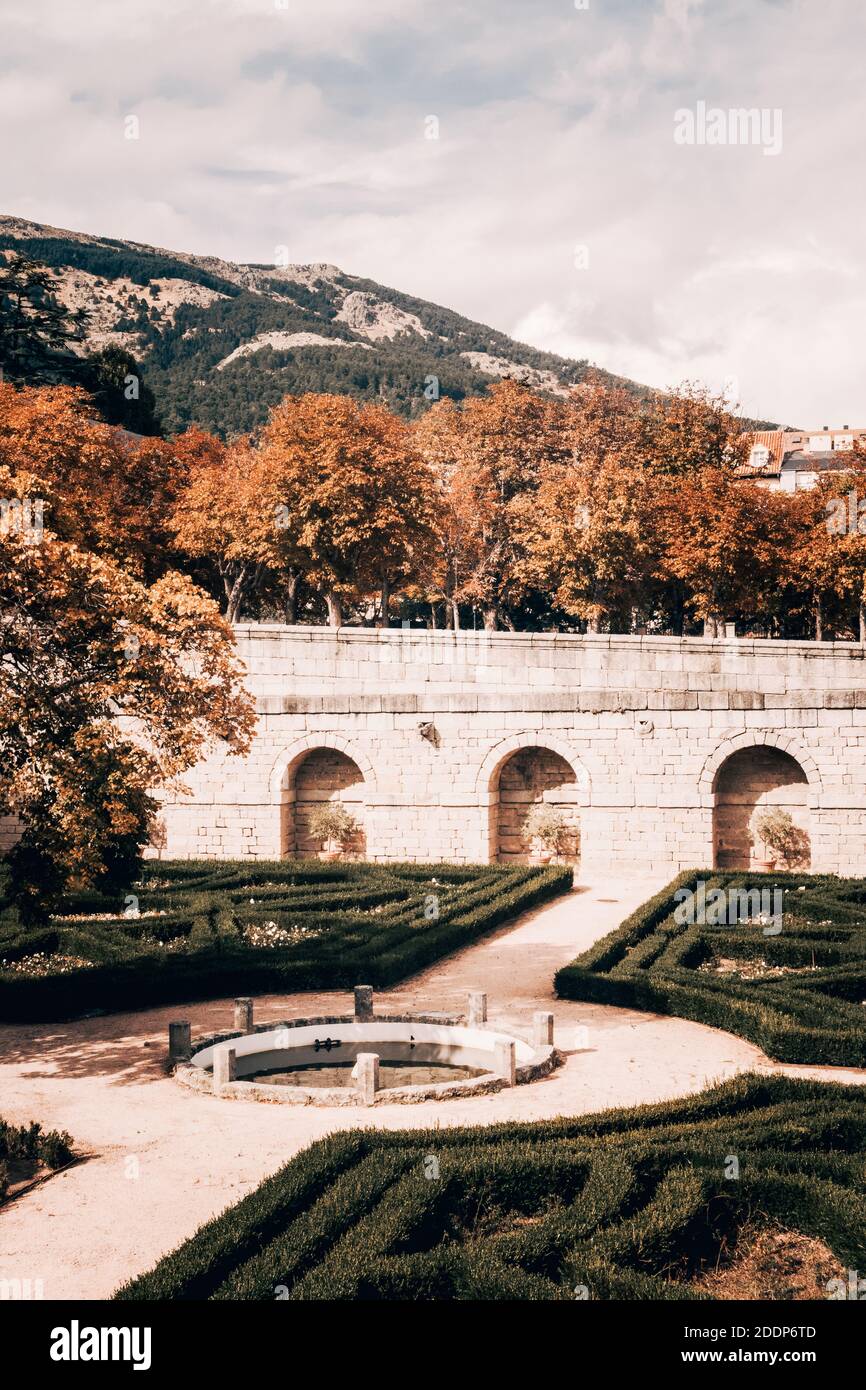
(786, 842)
(331, 825)
(544, 827)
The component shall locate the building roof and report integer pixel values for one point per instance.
(773, 442)
(790, 451)
(799, 461)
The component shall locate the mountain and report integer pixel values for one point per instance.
(219, 343)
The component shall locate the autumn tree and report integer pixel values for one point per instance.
(689, 429)
(109, 689)
(214, 519)
(487, 454)
(109, 493)
(343, 498)
(827, 560)
(724, 540)
(587, 538)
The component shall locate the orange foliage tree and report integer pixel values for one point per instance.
(110, 492)
(588, 539)
(343, 498)
(487, 455)
(827, 561)
(218, 517)
(725, 540)
(689, 429)
(109, 688)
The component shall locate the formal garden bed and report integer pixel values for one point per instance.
(198, 930)
(27, 1153)
(794, 982)
(676, 1200)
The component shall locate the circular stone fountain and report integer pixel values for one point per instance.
(352, 1060)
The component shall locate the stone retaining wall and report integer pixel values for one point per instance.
(644, 724)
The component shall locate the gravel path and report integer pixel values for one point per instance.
(161, 1159)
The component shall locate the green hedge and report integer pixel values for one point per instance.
(631, 1203)
(817, 1015)
(23, 1143)
(367, 923)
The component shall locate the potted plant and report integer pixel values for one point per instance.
(544, 827)
(782, 838)
(331, 825)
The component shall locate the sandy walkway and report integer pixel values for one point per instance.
(162, 1159)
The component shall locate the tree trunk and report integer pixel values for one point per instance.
(433, 623)
(291, 604)
(235, 597)
(335, 610)
(455, 615)
(384, 601)
(679, 615)
(863, 620)
(592, 624)
(819, 621)
(490, 617)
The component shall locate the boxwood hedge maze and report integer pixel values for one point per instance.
(643, 1203)
(199, 930)
(778, 959)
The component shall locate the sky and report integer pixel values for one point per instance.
(564, 170)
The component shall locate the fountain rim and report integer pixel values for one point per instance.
(535, 1063)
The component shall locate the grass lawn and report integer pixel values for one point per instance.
(751, 1189)
(799, 994)
(208, 929)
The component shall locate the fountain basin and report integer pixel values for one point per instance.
(287, 1061)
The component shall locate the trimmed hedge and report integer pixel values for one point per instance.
(631, 1204)
(353, 922)
(30, 1142)
(653, 962)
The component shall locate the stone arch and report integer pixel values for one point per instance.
(488, 773)
(282, 771)
(784, 742)
(527, 770)
(314, 771)
(754, 778)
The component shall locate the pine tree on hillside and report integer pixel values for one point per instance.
(36, 330)
(114, 380)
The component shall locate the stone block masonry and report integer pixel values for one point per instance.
(654, 751)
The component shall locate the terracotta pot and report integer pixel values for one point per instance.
(331, 850)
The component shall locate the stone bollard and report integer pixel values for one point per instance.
(225, 1067)
(363, 1003)
(477, 1008)
(243, 1015)
(366, 1074)
(542, 1030)
(179, 1042)
(506, 1062)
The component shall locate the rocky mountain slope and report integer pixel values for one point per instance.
(219, 343)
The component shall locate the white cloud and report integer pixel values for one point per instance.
(305, 127)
